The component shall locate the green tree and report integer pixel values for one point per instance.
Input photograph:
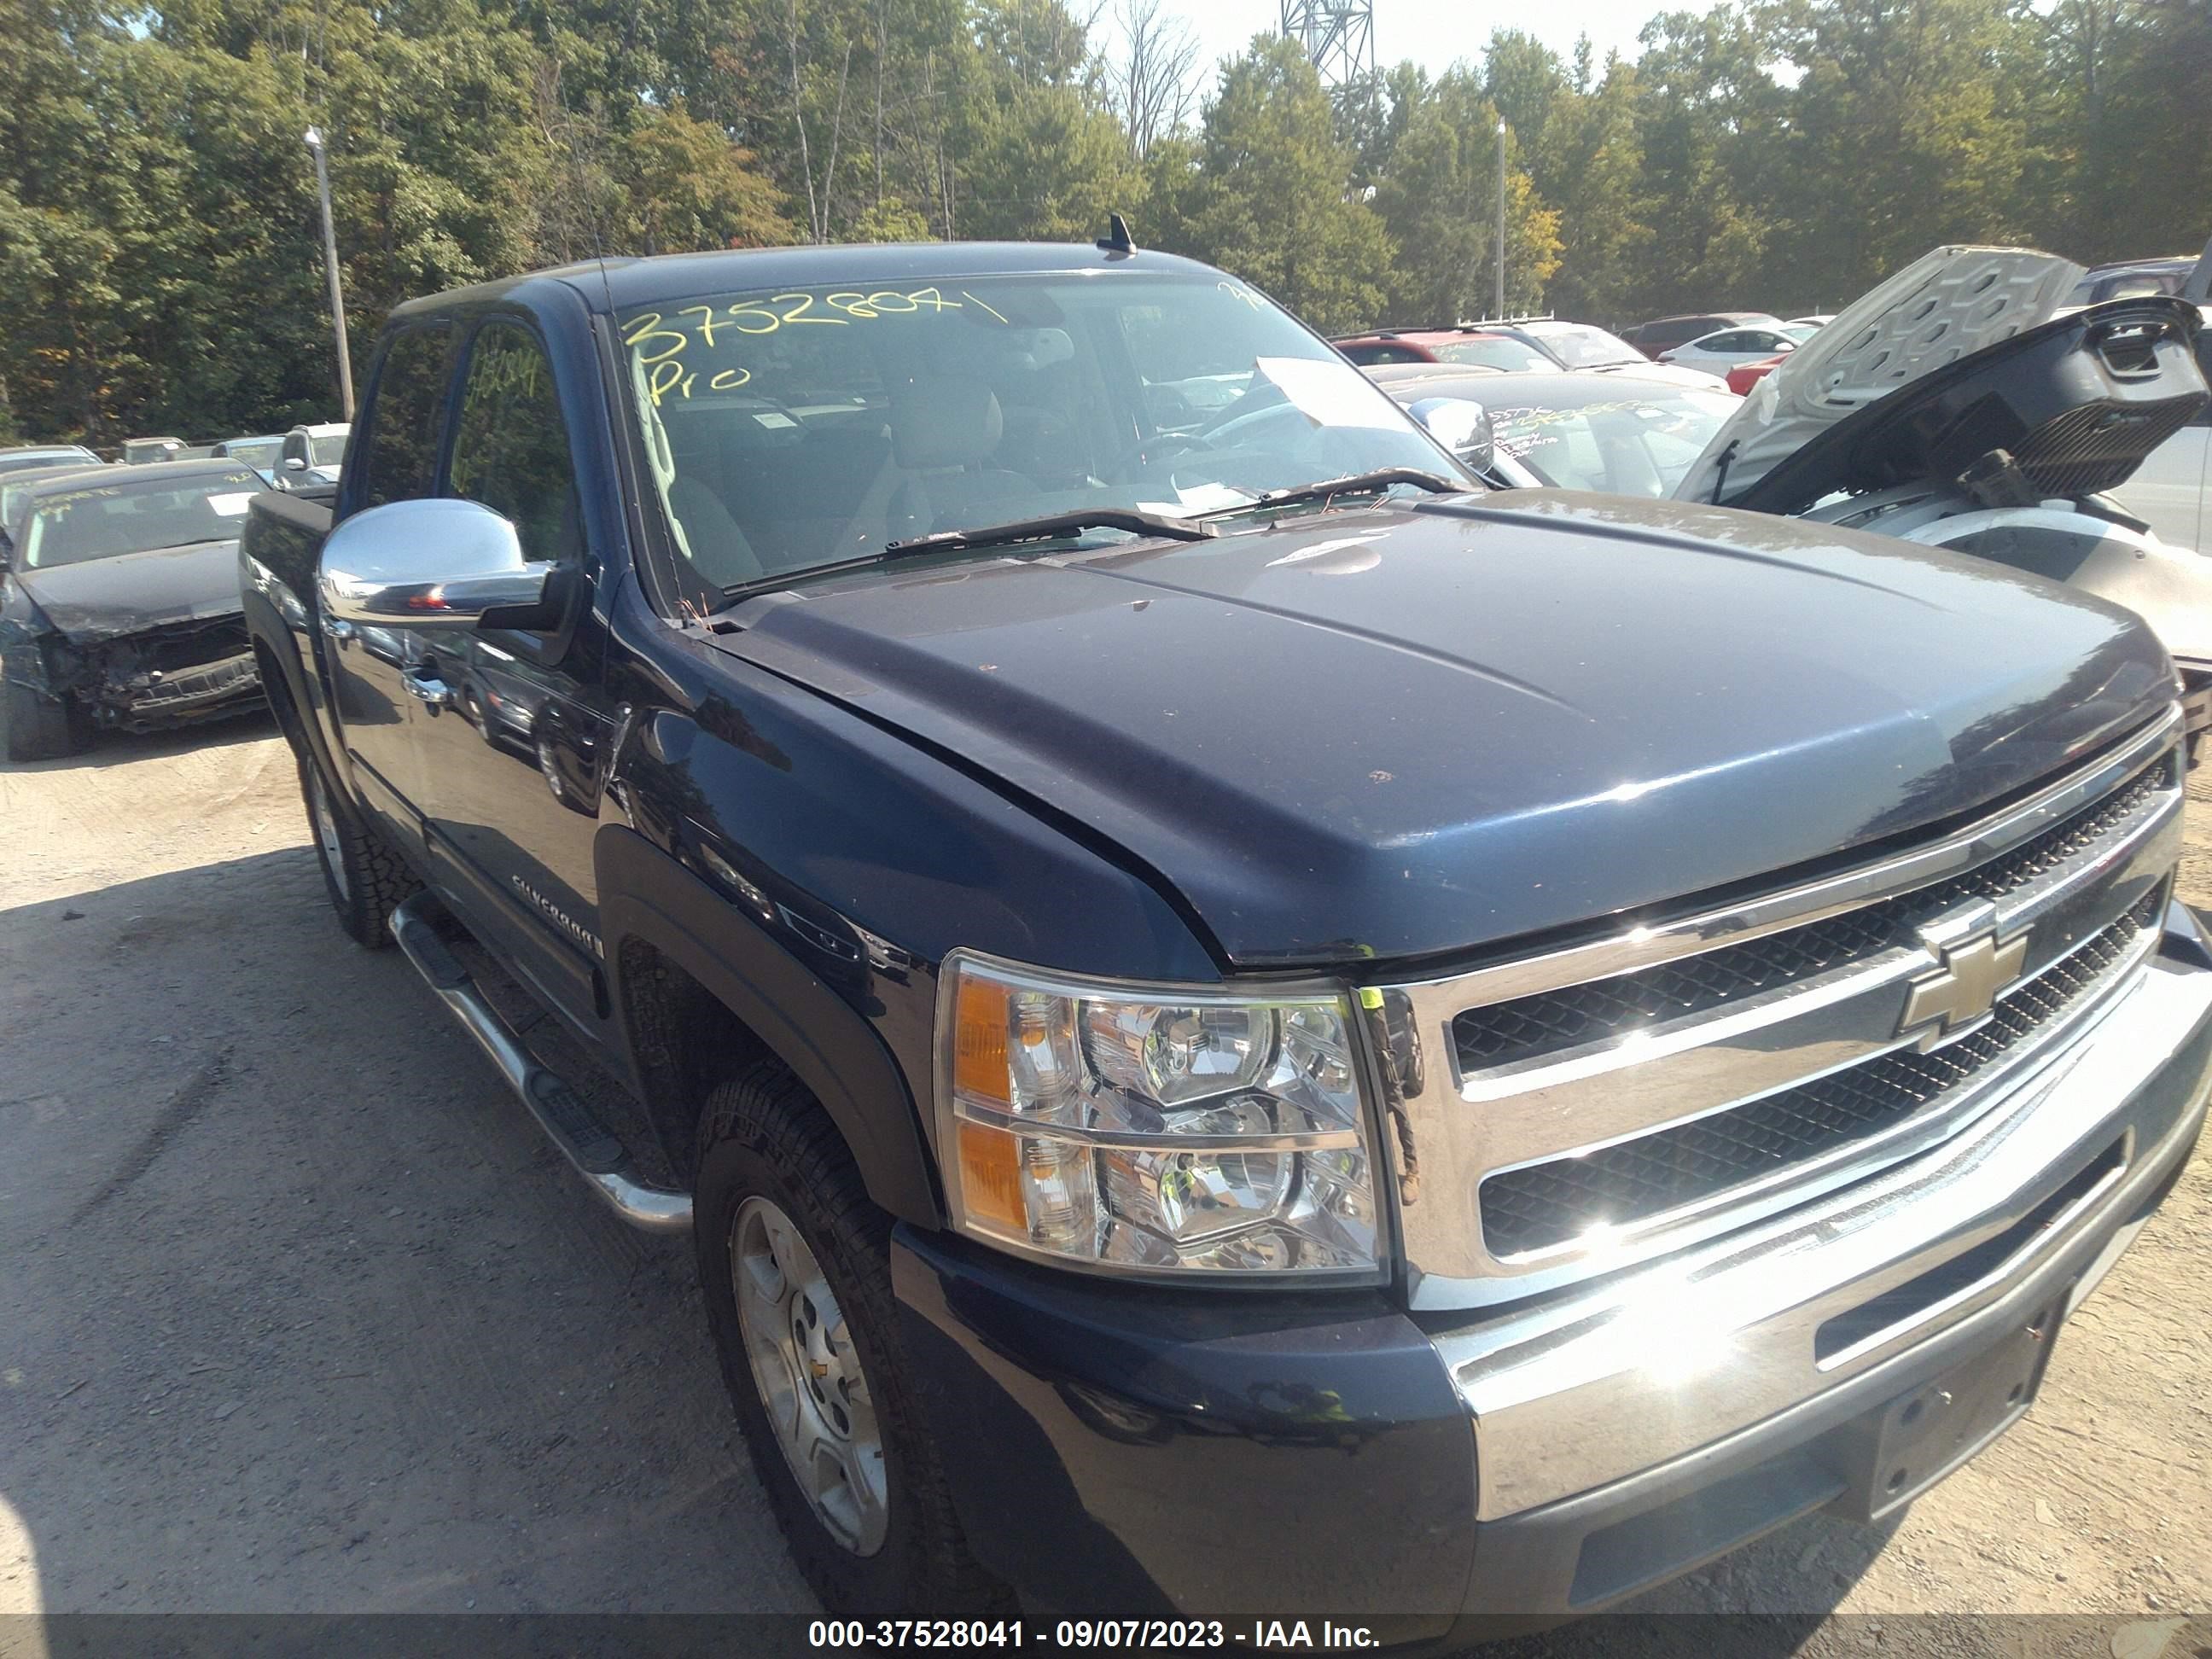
(1707, 230)
(690, 188)
(888, 220)
(1899, 141)
(1439, 200)
(1270, 205)
(1525, 81)
(1595, 160)
(1044, 157)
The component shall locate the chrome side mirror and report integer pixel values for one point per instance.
(1462, 427)
(434, 563)
(296, 463)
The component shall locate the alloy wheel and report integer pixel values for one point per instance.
(809, 1375)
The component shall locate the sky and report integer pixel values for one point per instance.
(1436, 33)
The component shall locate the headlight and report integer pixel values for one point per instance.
(1140, 1128)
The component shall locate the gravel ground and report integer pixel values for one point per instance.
(298, 1312)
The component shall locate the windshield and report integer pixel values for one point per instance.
(1495, 351)
(17, 489)
(328, 450)
(1580, 346)
(1639, 443)
(100, 521)
(254, 452)
(799, 429)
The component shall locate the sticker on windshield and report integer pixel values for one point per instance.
(231, 506)
(1331, 392)
(772, 419)
(1200, 498)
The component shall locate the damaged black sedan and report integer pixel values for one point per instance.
(120, 609)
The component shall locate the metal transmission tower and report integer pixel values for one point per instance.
(1339, 36)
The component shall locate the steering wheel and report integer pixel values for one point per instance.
(1144, 449)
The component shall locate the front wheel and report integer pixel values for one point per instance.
(794, 1262)
(42, 728)
(365, 877)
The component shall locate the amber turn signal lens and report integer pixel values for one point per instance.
(991, 1178)
(978, 1041)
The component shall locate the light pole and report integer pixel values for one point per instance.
(1498, 309)
(314, 139)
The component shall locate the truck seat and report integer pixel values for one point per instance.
(944, 436)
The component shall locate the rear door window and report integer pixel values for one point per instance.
(406, 414)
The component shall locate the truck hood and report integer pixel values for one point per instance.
(130, 592)
(1411, 732)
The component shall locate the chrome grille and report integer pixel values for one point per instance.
(1545, 1205)
(1626, 1096)
(1531, 1027)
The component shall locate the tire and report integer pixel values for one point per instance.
(363, 873)
(41, 727)
(548, 766)
(770, 1158)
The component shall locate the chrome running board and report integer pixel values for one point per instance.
(560, 1112)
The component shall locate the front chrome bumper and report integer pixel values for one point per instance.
(1606, 1382)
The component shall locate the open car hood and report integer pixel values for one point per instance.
(1945, 306)
(2067, 409)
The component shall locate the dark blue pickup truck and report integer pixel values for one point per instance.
(1240, 1026)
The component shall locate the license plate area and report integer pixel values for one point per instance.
(1922, 1436)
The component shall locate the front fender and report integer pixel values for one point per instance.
(647, 895)
(2169, 588)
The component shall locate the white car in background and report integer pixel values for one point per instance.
(1732, 348)
(312, 455)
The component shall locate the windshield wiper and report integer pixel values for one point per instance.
(1356, 483)
(1058, 524)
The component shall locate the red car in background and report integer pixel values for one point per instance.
(1744, 376)
(1469, 347)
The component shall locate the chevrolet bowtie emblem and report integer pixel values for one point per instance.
(1976, 966)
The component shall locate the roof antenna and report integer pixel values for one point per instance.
(1116, 239)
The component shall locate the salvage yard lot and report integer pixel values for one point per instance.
(299, 1312)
